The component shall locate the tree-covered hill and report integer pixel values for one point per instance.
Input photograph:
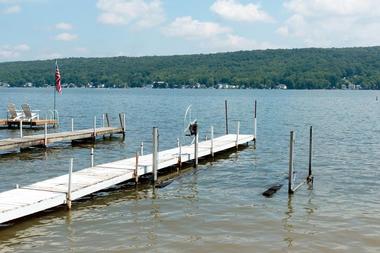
(311, 68)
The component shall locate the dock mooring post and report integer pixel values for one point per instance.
(45, 136)
(21, 135)
(291, 151)
(155, 153)
(92, 157)
(72, 124)
(226, 114)
(179, 155)
(122, 122)
(103, 120)
(255, 124)
(142, 148)
(212, 142)
(196, 145)
(94, 127)
(137, 169)
(68, 195)
(310, 174)
(237, 134)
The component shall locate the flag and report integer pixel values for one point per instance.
(58, 86)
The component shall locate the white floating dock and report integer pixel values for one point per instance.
(53, 192)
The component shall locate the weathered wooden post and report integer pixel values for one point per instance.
(103, 120)
(45, 136)
(212, 142)
(290, 177)
(21, 135)
(137, 169)
(92, 157)
(94, 127)
(179, 155)
(310, 174)
(255, 125)
(237, 134)
(68, 195)
(196, 145)
(108, 120)
(122, 122)
(72, 124)
(155, 153)
(226, 114)
(142, 148)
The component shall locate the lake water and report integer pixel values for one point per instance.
(217, 207)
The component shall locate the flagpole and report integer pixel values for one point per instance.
(55, 94)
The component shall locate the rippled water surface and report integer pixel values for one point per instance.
(217, 207)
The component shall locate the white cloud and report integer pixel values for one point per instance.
(12, 9)
(64, 26)
(336, 23)
(8, 52)
(190, 28)
(66, 37)
(234, 10)
(142, 13)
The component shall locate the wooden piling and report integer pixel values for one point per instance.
(92, 157)
(212, 141)
(226, 114)
(255, 124)
(237, 134)
(155, 153)
(45, 136)
(108, 120)
(94, 127)
(179, 155)
(310, 174)
(137, 169)
(142, 148)
(122, 122)
(68, 195)
(196, 145)
(291, 151)
(72, 124)
(21, 134)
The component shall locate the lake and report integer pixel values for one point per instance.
(217, 207)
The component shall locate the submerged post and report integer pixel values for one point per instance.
(255, 124)
(237, 134)
(45, 135)
(142, 148)
(212, 141)
(155, 153)
(68, 195)
(310, 174)
(290, 177)
(196, 145)
(21, 135)
(226, 114)
(92, 157)
(72, 124)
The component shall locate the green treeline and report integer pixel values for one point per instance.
(311, 68)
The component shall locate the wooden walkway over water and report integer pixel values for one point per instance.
(31, 123)
(34, 198)
(43, 140)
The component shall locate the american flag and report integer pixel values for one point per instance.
(58, 86)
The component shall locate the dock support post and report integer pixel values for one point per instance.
(142, 148)
(155, 153)
(212, 142)
(137, 169)
(122, 122)
(45, 136)
(196, 145)
(21, 135)
(103, 120)
(237, 134)
(92, 157)
(68, 195)
(226, 114)
(108, 120)
(255, 125)
(94, 127)
(310, 174)
(290, 176)
(72, 124)
(179, 155)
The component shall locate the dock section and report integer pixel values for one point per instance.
(7, 123)
(63, 189)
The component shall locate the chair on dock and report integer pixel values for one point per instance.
(28, 113)
(13, 113)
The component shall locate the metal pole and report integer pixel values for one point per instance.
(21, 135)
(92, 157)
(310, 176)
(68, 196)
(54, 116)
(196, 146)
(290, 187)
(45, 135)
(94, 127)
(155, 153)
(212, 141)
(142, 148)
(255, 124)
(137, 168)
(72, 124)
(226, 114)
(237, 134)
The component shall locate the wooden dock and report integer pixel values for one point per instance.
(34, 198)
(43, 140)
(31, 123)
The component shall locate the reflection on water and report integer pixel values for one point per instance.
(217, 207)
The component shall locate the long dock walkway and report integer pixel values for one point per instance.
(57, 191)
(44, 140)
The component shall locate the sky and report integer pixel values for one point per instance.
(50, 29)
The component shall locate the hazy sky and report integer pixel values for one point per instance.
(46, 29)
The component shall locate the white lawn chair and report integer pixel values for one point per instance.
(29, 114)
(13, 113)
